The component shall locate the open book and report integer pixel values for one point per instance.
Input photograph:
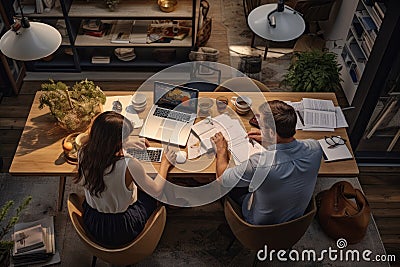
(235, 135)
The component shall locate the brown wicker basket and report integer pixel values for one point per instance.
(204, 54)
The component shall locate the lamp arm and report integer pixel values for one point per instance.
(280, 8)
(24, 20)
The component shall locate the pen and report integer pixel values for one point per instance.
(251, 141)
(169, 141)
(300, 117)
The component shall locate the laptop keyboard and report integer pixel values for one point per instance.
(170, 114)
(150, 154)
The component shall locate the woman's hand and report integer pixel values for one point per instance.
(255, 135)
(137, 143)
(168, 159)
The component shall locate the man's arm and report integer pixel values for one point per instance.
(222, 154)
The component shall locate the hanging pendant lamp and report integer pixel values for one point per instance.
(29, 40)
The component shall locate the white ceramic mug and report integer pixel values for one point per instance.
(242, 104)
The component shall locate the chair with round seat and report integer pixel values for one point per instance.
(276, 236)
(140, 248)
(241, 84)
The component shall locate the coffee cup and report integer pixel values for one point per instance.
(242, 104)
(205, 104)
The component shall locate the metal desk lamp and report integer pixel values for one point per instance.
(29, 40)
(278, 23)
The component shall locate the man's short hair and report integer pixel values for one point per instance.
(284, 116)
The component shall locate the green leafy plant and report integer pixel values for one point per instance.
(74, 108)
(6, 227)
(314, 71)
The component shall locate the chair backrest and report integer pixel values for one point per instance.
(276, 236)
(241, 84)
(141, 247)
(315, 10)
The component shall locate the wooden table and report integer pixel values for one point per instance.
(40, 153)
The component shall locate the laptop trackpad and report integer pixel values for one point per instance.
(170, 125)
(164, 133)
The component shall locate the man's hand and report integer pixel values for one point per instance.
(137, 143)
(255, 134)
(221, 145)
(222, 160)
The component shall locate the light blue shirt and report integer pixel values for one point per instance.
(283, 181)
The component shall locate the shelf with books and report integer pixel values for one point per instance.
(138, 9)
(359, 43)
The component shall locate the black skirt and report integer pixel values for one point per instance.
(113, 230)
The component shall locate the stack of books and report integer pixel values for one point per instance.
(95, 27)
(34, 243)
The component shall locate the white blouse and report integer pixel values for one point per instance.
(116, 197)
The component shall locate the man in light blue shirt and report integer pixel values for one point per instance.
(276, 185)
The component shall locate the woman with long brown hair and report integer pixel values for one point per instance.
(115, 209)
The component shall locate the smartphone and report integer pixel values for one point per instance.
(254, 121)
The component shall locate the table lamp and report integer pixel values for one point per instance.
(29, 40)
(278, 23)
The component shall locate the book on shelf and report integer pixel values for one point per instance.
(139, 32)
(380, 9)
(121, 31)
(34, 242)
(95, 27)
(366, 20)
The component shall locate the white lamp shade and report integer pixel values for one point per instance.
(35, 42)
(289, 24)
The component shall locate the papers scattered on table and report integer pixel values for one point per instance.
(339, 152)
(231, 129)
(318, 115)
(127, 109)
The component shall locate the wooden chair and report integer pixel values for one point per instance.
(276, 236)
(241, 84)
(139, 249)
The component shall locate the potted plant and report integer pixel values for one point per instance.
(5, 244)
(314, 71)
(73, 108)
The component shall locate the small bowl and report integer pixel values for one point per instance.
(167, 5)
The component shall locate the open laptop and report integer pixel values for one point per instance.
(172, 115)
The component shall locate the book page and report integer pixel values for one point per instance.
(340, 118)
(318, 104)
(319, 119)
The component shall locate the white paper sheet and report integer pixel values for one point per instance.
(127, 109)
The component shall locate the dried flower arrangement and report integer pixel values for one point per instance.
(112, 4)
(73, 108)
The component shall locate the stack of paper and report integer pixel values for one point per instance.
(231, 129)
(318, 115)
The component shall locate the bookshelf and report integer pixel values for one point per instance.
(78, 47)
(359, 43)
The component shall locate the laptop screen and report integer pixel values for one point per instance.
(176, 97)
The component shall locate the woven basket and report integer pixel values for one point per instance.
(204, 54)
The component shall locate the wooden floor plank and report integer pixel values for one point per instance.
(12, 123)
(10, 136)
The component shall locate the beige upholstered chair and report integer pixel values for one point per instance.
(240, 84)
(139, 249)
(276, 236)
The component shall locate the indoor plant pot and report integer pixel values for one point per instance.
(73, 108)
(313, 71)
